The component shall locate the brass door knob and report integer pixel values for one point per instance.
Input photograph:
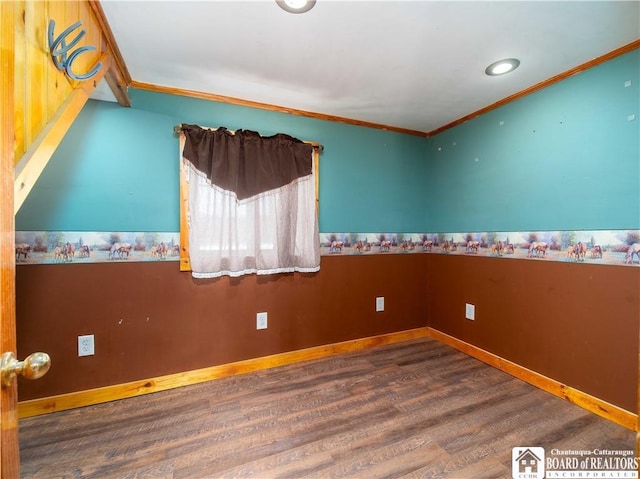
(34, 366)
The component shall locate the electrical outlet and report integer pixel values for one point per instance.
(261, 321)
(379, 304)
(470, 312)
(86, 345)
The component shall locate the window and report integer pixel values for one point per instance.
(265, 231)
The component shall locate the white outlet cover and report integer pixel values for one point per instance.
(261, 321)
(86, 345)
(379, 304)
(470, 312)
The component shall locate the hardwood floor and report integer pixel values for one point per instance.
(417, 409)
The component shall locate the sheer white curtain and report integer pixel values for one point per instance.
(274, 231)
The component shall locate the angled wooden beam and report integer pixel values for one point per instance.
(41, 150)
(118, 77)
(118, 86)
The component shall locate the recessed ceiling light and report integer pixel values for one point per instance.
(502, 66)
(296, 6)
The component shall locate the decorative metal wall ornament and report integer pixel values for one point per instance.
(59, 50)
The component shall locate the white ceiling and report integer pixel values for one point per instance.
(417, 65)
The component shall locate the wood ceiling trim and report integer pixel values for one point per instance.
(118, 77)
(321, 116)
(265, 106)
(543, 84)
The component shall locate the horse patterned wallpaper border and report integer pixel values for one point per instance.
(64, 247)
(612, 247)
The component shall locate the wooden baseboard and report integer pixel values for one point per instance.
(36, 407)
(574, 396)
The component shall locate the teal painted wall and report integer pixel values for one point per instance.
(117, 168)
(563, 158)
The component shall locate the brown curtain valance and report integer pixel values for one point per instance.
(245, 162)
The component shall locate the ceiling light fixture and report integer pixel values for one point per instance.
(296, 6)
(502, 66)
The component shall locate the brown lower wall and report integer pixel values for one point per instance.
(149, 319)
(575, 323)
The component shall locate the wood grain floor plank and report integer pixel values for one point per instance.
(418, 409)
(487, 468)
(394, 460)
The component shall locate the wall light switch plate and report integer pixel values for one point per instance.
(261, 321)
(379, 304)
(86, 345)
(470, 312)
